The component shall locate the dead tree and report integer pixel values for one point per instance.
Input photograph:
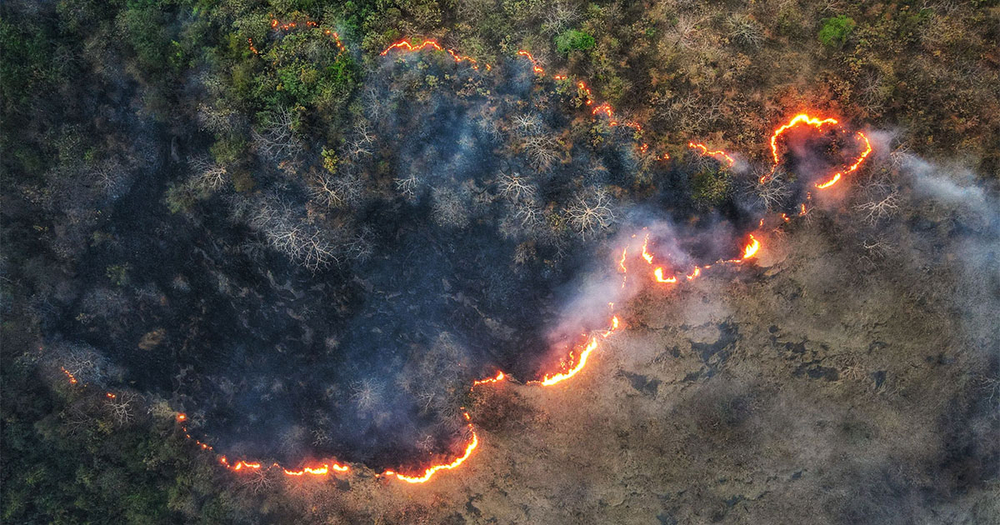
(336, 191)
(276, 140)
(122, 407)
(542, 151)
(207, 175)
(591, 213)
(515, 188)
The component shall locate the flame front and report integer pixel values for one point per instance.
(430, 471)
(861, 158)
(716, 153)
(818, 123)
(751, 248)
(534, 63)
(499, 377)
(577, 361)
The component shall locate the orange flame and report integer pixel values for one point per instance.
(430, 471)
(534, 63)
(658, 274)
(645, 254)
(499, 377)
(717, 153)
(550, 380)
(72, 378)
(801, 118)
(751, 248)
(864, 154)
(244, 464)
(408, 47)
(817, 123)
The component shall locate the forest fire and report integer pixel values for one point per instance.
(432, 44)
(578, 358)
(818, 123)
(434, 469)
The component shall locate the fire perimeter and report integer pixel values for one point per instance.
(655, 273)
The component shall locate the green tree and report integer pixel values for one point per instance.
(835, 30)
(573, 39)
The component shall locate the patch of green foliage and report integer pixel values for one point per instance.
(836, 30)
(573, 39)
(709, 187)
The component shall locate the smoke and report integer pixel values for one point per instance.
(468, 223)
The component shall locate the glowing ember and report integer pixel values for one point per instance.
(71, 377)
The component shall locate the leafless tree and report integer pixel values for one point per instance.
(407, 186)
(256, 481)
(591, 212)
(528, 213)
(207, 174)
(83, 363)
(774, 190)
(300, 240)
(686, 30)
(527, 124)
(366, 394)
(882, 207)
(514, 188)
(559, 17)
(276, 140)
(745, 31)
(335, 191)
(122, 406)
(542, 151)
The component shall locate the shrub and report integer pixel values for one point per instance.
(835, 30)
(573, 39)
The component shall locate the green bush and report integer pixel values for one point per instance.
(835, 30)
(709, 188)
(573, 39)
